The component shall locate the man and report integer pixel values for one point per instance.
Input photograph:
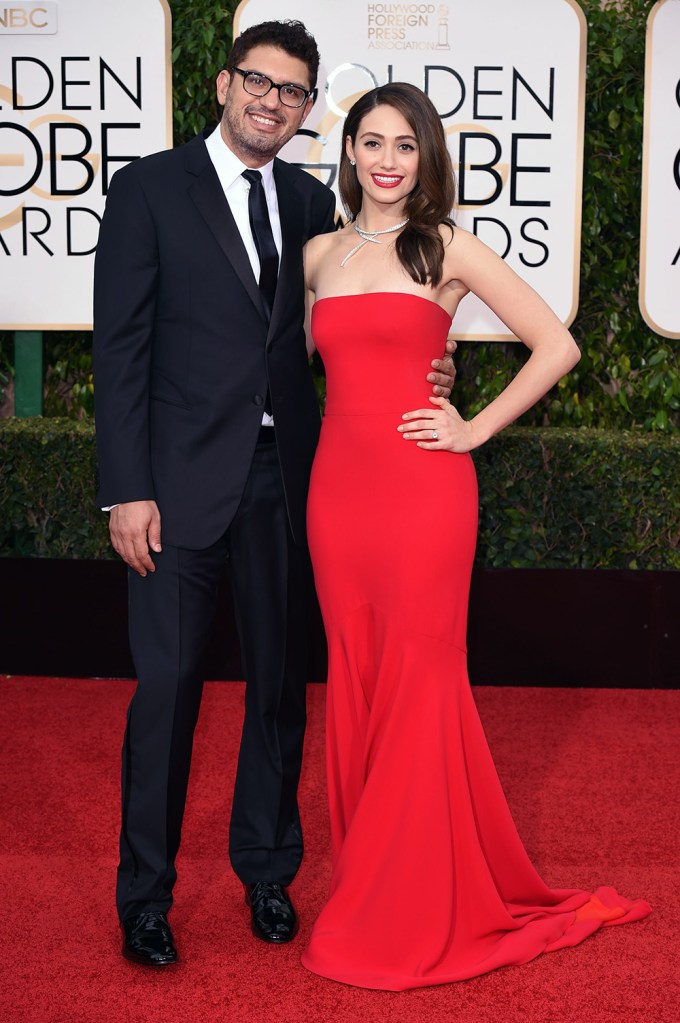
(199, 340)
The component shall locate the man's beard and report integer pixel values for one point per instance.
(253, 144)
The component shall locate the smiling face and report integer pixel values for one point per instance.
(386, 154)
(257, 127)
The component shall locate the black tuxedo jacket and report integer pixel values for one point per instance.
(183, 353)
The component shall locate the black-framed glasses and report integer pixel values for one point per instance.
(256, 84)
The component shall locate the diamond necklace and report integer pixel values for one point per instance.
(371, 236)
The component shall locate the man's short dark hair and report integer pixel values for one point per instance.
(290, 36)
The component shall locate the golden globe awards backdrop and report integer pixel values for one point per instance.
(660, 229)
(508, 82)
(84, 88)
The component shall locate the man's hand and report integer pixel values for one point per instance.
(443, 379)
(134, 527)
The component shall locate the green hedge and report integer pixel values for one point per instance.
(551, 498)
(47, 488)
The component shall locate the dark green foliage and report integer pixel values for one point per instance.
(552, 498)
(201, 40)
(47, 488)
(69, 390)
(6, 363)
(560, 498)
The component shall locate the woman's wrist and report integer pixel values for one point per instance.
(478, 432)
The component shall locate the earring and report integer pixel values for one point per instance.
(353, 162)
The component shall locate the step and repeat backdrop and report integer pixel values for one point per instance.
(85, 86)
(508, 81)
(660, 227)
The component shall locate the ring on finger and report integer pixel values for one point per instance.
(435, 435)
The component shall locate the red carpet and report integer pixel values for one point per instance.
(598, 807)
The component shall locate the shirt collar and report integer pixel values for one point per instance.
(229, 166)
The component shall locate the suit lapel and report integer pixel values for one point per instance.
(208, 197)
(292, 216)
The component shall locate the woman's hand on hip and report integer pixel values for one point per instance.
(439, 428)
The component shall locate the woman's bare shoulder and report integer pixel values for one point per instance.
(320, 244)
(447, 230)
(456, 237)
(462, 247)
(316, 252)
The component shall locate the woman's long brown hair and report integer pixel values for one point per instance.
(419, 247)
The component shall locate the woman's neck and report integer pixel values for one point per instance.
(373, 217)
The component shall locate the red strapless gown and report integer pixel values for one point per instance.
(430, 880)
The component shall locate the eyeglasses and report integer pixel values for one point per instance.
(259, 85)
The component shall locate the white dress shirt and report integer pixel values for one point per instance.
(235, 187)
(229, 170)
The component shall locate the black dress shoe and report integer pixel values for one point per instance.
(148, 940)
(273, 917)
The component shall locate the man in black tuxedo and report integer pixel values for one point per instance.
(199, 348)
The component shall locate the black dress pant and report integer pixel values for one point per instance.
(171, 613)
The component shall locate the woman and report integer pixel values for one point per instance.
(430, 880)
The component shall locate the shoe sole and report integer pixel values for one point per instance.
(133, 957)
(274, 941)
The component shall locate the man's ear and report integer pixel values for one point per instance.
(223, 82)
(306, 109)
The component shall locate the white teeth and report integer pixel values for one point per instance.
(263, 120)
(389, 181)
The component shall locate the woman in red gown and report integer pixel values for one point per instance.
(416, 806)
